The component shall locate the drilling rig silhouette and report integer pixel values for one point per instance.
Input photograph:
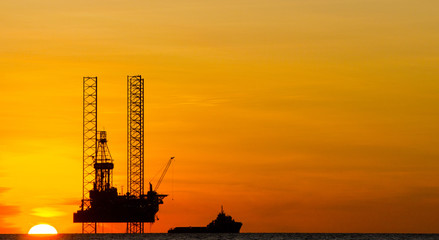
(100, 200)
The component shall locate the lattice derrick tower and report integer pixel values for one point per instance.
(135, 146)
(90, 107)
(104, 164)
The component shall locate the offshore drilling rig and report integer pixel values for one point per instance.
(100, 200)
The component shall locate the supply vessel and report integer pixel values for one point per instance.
(222, 224)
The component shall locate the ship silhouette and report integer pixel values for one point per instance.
(222, 224)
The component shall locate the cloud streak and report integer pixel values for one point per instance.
(7, 211)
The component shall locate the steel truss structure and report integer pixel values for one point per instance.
(103, 165)
(90, 105)
(135, 160)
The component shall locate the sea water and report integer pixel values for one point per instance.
(224, 236)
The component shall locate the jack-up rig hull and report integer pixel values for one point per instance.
(108, 206)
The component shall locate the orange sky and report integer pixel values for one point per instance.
(297, 116)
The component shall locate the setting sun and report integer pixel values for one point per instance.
(42, 229)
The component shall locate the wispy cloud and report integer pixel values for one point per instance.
(47, 212)
(7, 211)
(202, 101)
(70, 201)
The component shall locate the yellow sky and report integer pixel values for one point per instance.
(297, 116)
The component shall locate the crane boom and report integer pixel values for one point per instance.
(163, 174)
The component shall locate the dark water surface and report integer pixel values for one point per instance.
(225, 236)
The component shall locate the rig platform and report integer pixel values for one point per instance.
(108, 206)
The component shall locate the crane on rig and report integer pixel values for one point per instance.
(163, 174)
